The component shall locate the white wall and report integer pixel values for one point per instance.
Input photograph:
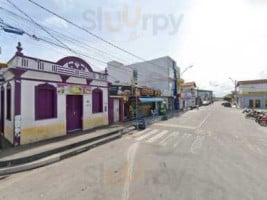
(252, 88)
(157, 74)
(41, 76)
(28, 106)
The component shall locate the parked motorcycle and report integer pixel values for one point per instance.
(253, 114)
(259, 116)
(263, 120)
(246, 110)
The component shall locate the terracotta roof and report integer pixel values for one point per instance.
(189, 84)
(248, 82)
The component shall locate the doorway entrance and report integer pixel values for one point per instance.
(74, 108)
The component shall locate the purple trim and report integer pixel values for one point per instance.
(89, 81)
(56, 63)
(8, 101)
(18, 72)
(77, 76)
(17, 100)
(110, 111)
(121, 110)
(32, 79)
(2, 117)
(97, 96)
(64, 78)
(39, 102)
(73, 59)
(17, 95)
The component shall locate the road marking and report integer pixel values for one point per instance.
(141, 132)
(206, 118)
(176, 126)
(197, 144)
(156, 137)
(165, 141)
(129, 174)
(147, 135)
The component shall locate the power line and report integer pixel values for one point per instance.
(70, 39)
(68, 48)
(91, 33)
(37, 24)
(152, 72)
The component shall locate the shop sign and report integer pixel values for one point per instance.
(150, 92)
(255, 93)
(73, 89)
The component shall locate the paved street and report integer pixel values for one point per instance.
(210, 153)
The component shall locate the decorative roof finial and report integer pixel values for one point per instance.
(19, 50)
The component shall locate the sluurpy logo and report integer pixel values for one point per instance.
(131, 22)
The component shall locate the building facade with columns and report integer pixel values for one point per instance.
(41, 99)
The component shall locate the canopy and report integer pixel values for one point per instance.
(149, 100)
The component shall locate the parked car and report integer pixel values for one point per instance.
(206, 103)
(226, 104)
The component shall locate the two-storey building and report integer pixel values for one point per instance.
(252, 94)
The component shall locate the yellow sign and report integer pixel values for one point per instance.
(74, 89)
(254, 93)
(3, 65)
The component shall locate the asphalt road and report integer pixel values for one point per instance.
(211, 153)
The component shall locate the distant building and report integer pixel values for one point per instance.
(252, 94)
(204, 95)
(189, 95)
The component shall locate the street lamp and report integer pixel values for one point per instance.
(189, 67)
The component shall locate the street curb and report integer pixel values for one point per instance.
(63, 154)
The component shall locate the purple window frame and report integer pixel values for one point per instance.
(39, 101)
(8, 102)
(97, 103)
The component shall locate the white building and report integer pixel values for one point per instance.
(189, 94)
(252, 94)
(42, 99)
(160, 74)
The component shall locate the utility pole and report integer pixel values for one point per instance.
(135, 78)
(235, 89)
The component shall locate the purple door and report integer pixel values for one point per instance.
(2, 115)
(2, 112)
(74, 112)
(110, 111)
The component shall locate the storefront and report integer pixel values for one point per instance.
(252, 94)
(147, 102)
(42, 99)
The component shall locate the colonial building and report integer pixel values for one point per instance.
(43, 99)
(252, 94)
(158, 74)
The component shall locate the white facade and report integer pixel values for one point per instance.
(252, 95)
(24, 74)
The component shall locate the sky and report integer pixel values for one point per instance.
(220, 38)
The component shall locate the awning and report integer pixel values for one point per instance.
(149, 100)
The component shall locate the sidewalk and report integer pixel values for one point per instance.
(26, 157)
(35, 155)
